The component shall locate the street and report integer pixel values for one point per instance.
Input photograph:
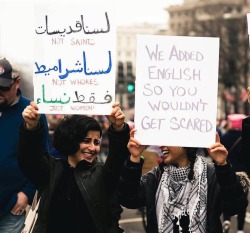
(131, 221)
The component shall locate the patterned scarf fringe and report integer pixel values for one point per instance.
(191, 199)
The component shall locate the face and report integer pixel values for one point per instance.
(89, 149)
(7, 97)
(175, 155)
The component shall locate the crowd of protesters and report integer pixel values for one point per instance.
(85, 167)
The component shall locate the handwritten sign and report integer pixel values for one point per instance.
(248, 25)
(176, 90)
(74, 59)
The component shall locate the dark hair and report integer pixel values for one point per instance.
(191, 153)
(71, 131)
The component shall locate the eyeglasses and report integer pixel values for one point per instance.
(9, 87)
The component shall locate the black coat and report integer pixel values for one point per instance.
(234, 157)
(245, 142)
(45, 172)
(224, 193)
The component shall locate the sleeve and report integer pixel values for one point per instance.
(29, 190)
(31, 158)
(118, 152)
(46, 144)
(245, 144)
(130, 189)
(234, 196)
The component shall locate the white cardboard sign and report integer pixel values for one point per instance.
(248, 24)
(176, 90)
(74, 59)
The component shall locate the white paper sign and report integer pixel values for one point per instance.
(74, 63)
(248, 25)
(176, 90)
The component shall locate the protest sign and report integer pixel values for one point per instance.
(74, 59)
(248, 25)
(176, 90)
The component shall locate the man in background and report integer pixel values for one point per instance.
(246, 139)
(16, 192)
(231, 139)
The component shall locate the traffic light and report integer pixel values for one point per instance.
(120, 73)
(131, 100)
(130, 78)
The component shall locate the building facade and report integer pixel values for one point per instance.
(227, 20)
(126, 59)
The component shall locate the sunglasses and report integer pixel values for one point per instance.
(9, 87)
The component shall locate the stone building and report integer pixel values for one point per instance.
(126, 58)
(227, 20)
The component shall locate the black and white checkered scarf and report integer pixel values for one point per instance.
(177, 196)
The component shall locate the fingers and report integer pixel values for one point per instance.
(116, 117)
(117, 112)
(34, 105)
(116, 104)
(18, 211)
(132, 141)
(30, 112)
(217, 147)
(132, 132)
(31, 116)
(21, 204)
(217, 137)
(217, 144)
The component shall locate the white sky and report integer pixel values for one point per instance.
(17, 16)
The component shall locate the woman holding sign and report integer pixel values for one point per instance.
(75, 193)
(185, 193)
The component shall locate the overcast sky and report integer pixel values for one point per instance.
(16, 17)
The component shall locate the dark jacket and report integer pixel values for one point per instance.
(245, 142)
(45, 172)
(229, 139)
(224, 193)
(12, 179)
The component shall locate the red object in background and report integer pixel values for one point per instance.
(228, 96)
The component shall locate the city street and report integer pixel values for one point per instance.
(131, 222)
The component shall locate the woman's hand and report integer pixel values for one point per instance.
(218, 152)
(30, 116)
(135, 147)
(117, 117)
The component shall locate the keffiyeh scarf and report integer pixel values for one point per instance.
(177, 196)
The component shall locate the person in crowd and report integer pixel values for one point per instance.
(185, 193)
(54, 120)
(75, 192)
(116, 208)
(245, 139)
(16, 191)
(232, 141)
